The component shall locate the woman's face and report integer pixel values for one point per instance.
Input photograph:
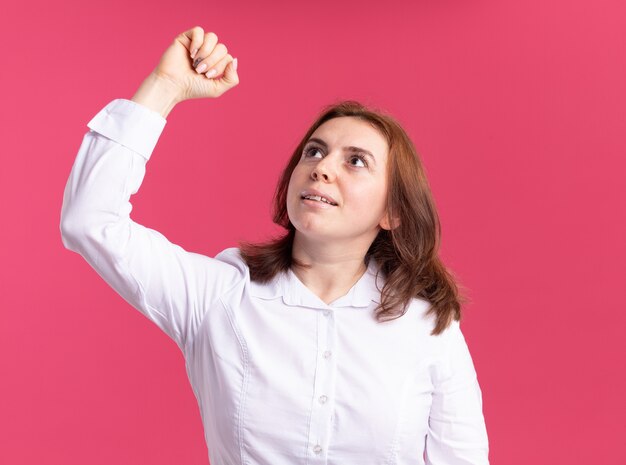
(345, 161)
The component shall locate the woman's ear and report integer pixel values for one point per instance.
(388, 224)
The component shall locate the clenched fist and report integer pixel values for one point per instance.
(195, 65)
(198, 65)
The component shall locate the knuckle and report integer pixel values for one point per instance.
(211, 36)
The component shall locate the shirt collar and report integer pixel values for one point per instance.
(294, 293)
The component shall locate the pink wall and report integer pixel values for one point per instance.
(517, 108)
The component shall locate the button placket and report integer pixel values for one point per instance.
(321, 414)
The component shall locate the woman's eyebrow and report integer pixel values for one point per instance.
(349, 148)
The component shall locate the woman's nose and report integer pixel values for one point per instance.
(323, 170)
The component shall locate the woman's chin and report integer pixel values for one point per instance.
(315, 232)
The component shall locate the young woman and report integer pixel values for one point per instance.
(338, 343)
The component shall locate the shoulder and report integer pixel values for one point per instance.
(232, 256)
(423, 321)
(419, 311)
(234, 261)
(228, 270)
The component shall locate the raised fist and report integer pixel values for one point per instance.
(198, 65)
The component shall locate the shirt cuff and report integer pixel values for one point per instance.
(129, 124)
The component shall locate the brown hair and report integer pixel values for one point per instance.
(407, 254)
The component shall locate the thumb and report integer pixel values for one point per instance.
(215, 87)
(230, 78)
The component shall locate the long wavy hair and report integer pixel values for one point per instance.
(407, 254)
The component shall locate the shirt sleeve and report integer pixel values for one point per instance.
(457, 433)
(170, 286)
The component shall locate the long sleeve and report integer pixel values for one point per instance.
(172, 287)
(457, 433)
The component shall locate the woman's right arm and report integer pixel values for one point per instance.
(172, 287)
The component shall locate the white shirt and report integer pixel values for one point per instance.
(281, 377)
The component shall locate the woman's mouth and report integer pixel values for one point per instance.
(318, 198)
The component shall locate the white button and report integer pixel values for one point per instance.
(323, 399)
(327, 354)
(317, 449)
(326, 312)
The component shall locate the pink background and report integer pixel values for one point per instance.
(516, 107)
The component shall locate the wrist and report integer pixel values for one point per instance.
(157, 94)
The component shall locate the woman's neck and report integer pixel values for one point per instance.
(333, 268)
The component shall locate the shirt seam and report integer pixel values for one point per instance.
(207, 309)
(246, 379)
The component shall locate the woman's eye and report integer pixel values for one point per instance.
(357, 159)
(310, 151)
